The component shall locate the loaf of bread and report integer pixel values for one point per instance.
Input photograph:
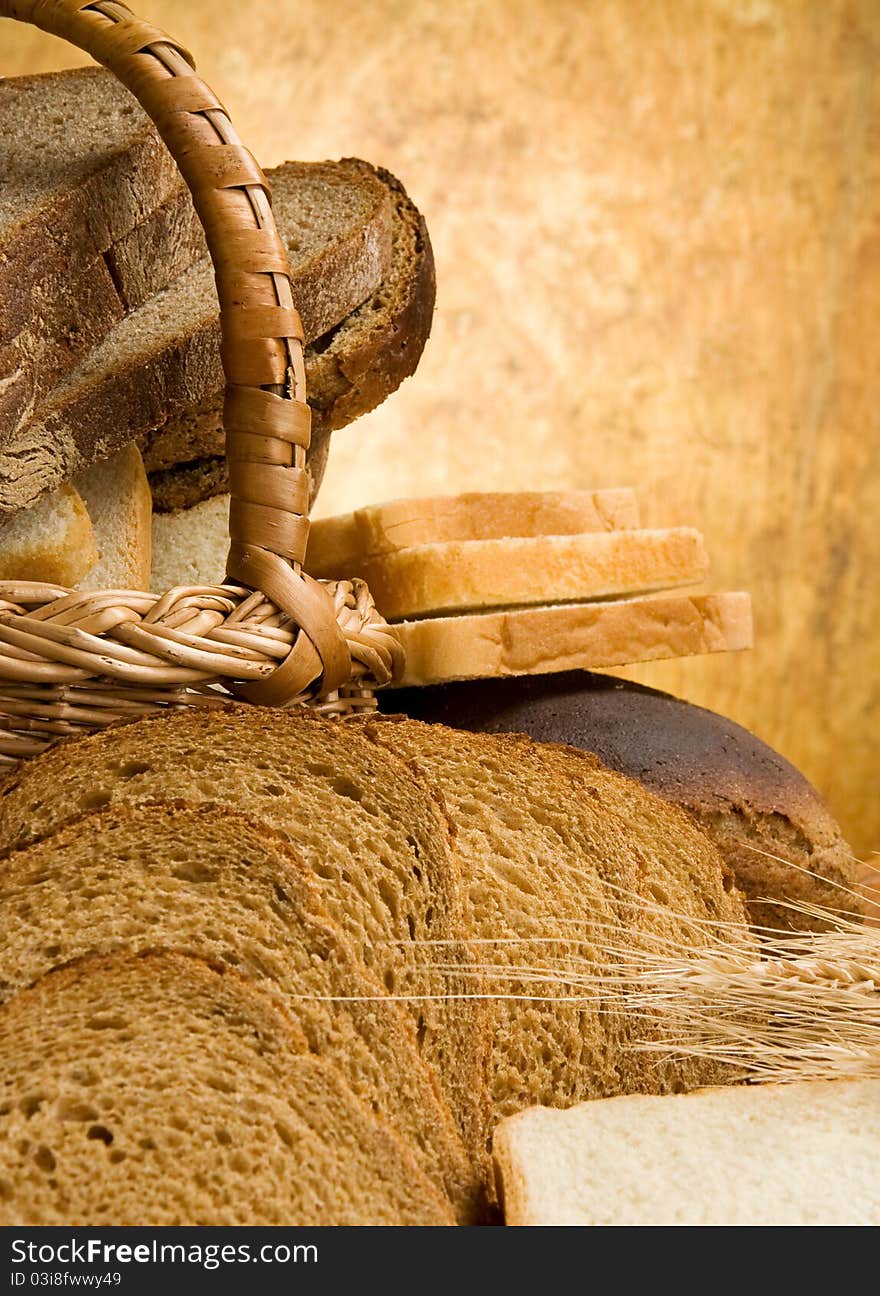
(776, 1154)
(562, 876)
(154, 1090)
(533, 641)
(433, 579)
(207, 881)
(771, 826)
(367, 825)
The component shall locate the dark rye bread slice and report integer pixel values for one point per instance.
(371, 829)
(209, 882)
(158, 1090)
(562, 875)
(71, 323)
(349, 370)
(762, 814)
(80, 166)
(164, 357)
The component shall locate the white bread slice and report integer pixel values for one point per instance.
(430, 580)
(335, 543)
(53, 541)
(190, 546)
(117, 495)
(796, 1154)
(583, 636)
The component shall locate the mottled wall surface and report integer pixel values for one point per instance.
(657, 228)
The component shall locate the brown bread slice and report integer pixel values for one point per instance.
(156, 1090)
(351, 369)
(209, 882)
(559, 863)
(369, 827)
(81, 166)
(164, 357)
(761, 812)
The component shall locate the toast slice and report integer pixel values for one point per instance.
(164, 358)
(337, 543)
(371, 829)
(158, 1090)
(460, 575)
(772, 1154)
(576, 636)
(352, 368)
(205, 880)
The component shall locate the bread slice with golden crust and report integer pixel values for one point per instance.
(157, 1090)
(581, 636)
(205, 880)
(336, 543)
(53, 541)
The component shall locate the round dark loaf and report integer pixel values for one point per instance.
(764, 816)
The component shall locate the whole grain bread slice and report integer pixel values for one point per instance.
(164, 357)
(350, 369)
(563, 868)
(371, 829)
(82, 165)
(158, 1090)
(207, 881)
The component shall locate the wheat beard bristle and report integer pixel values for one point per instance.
(774, 1006)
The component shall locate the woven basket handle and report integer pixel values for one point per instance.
(266, 417)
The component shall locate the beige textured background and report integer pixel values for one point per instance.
(657, 229)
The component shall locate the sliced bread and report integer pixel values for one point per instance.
(535, 641)
(775, 1154)
(769, 823)
(204, 880)
(370, 828)
(53, 541)
(82, 165)
(562, 874)
(349, 370)
(117, 495)
(460, 575)
(154, 1090)
(336, 543)
(164, 357)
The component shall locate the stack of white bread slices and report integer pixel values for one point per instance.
(261, 966)
(523, 583)
(110, 329)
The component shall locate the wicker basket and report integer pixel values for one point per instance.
(72, 662)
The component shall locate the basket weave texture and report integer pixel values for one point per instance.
(73, 661)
